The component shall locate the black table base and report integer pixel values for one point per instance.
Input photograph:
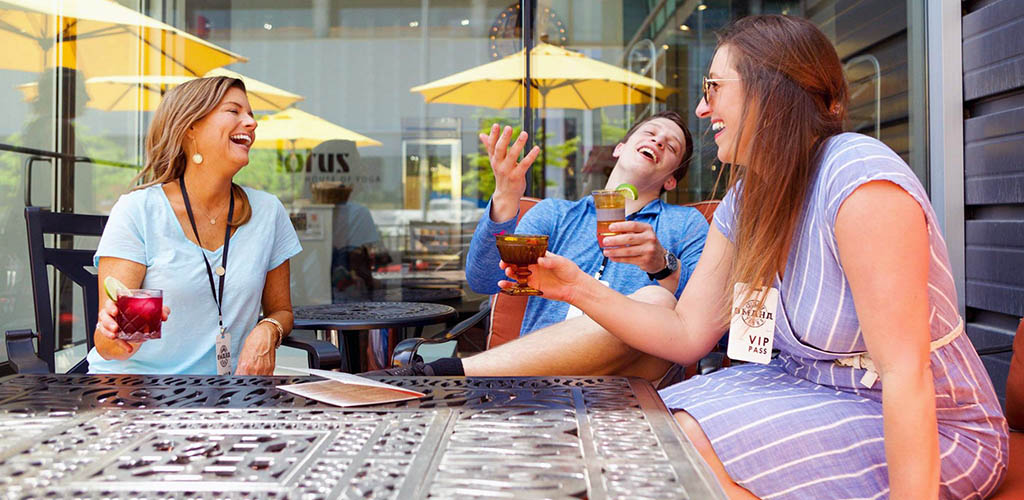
(353, 319)
(240, 437)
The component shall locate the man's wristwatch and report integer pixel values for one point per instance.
(671, 264)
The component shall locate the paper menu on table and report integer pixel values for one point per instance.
(345, 389)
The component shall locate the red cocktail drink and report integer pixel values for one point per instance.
(140, 313)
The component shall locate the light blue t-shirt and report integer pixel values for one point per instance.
(143, 228)
(572, 230)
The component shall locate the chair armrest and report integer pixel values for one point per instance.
(22, 353)
(711, 363)
(405, 351)
(322, 355)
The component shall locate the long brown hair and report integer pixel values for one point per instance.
(179, 109)
(796, 98)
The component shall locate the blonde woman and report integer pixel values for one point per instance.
(876, 391)
(217, 250)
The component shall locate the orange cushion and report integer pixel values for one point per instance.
(506, 318)
(507, 311)
(1013, 486)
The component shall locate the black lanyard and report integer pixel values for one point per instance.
(224, 257)
(600, 271)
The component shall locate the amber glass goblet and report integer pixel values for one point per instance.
(521, 250)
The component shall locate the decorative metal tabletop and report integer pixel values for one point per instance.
(367, 315)
(240, 437)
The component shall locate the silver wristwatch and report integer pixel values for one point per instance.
(671, 264)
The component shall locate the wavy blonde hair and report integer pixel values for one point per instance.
(179, 109)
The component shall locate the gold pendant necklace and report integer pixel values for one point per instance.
(213, 220)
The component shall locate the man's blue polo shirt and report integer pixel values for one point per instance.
(572, 230)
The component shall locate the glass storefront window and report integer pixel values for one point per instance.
(411, 198)
(397, 186)
(675, 43)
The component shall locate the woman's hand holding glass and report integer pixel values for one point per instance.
(558, 277)
(106, 326)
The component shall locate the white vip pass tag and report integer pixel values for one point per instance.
(752, 328)
(223, 352)
(575, 312)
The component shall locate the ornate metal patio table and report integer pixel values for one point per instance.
(351, 318)
(103, 436)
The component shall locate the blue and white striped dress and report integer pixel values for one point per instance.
(804, 427)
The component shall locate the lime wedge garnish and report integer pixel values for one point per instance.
(111, 285)
(628, 190)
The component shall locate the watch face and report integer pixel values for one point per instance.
(671, 262)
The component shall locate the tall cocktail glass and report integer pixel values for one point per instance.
(521, 250)
(611, 208)
(140, 313)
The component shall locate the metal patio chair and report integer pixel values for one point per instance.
(77, 265)
(502, 315)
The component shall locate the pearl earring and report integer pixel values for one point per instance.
(196, 158)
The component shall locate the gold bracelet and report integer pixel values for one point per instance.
(278, 327)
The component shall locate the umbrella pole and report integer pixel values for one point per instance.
(65, 203)
(544, 143)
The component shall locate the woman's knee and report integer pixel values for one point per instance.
(656, 295)
(701, 442)
(694, 433)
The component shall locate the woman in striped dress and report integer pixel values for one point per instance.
(876, 392)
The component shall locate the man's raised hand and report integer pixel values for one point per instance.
(509, 174)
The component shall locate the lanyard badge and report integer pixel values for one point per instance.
(752, 327)
(222, 350)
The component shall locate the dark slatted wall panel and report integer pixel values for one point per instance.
(993, 64)
(875, 28)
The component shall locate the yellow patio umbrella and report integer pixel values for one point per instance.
(143, 92)
(262, 96)
(559, 78)
(297, 129)
(100, 38)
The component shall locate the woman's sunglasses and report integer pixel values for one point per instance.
(710, 87)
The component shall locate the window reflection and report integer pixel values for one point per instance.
(396, 183)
